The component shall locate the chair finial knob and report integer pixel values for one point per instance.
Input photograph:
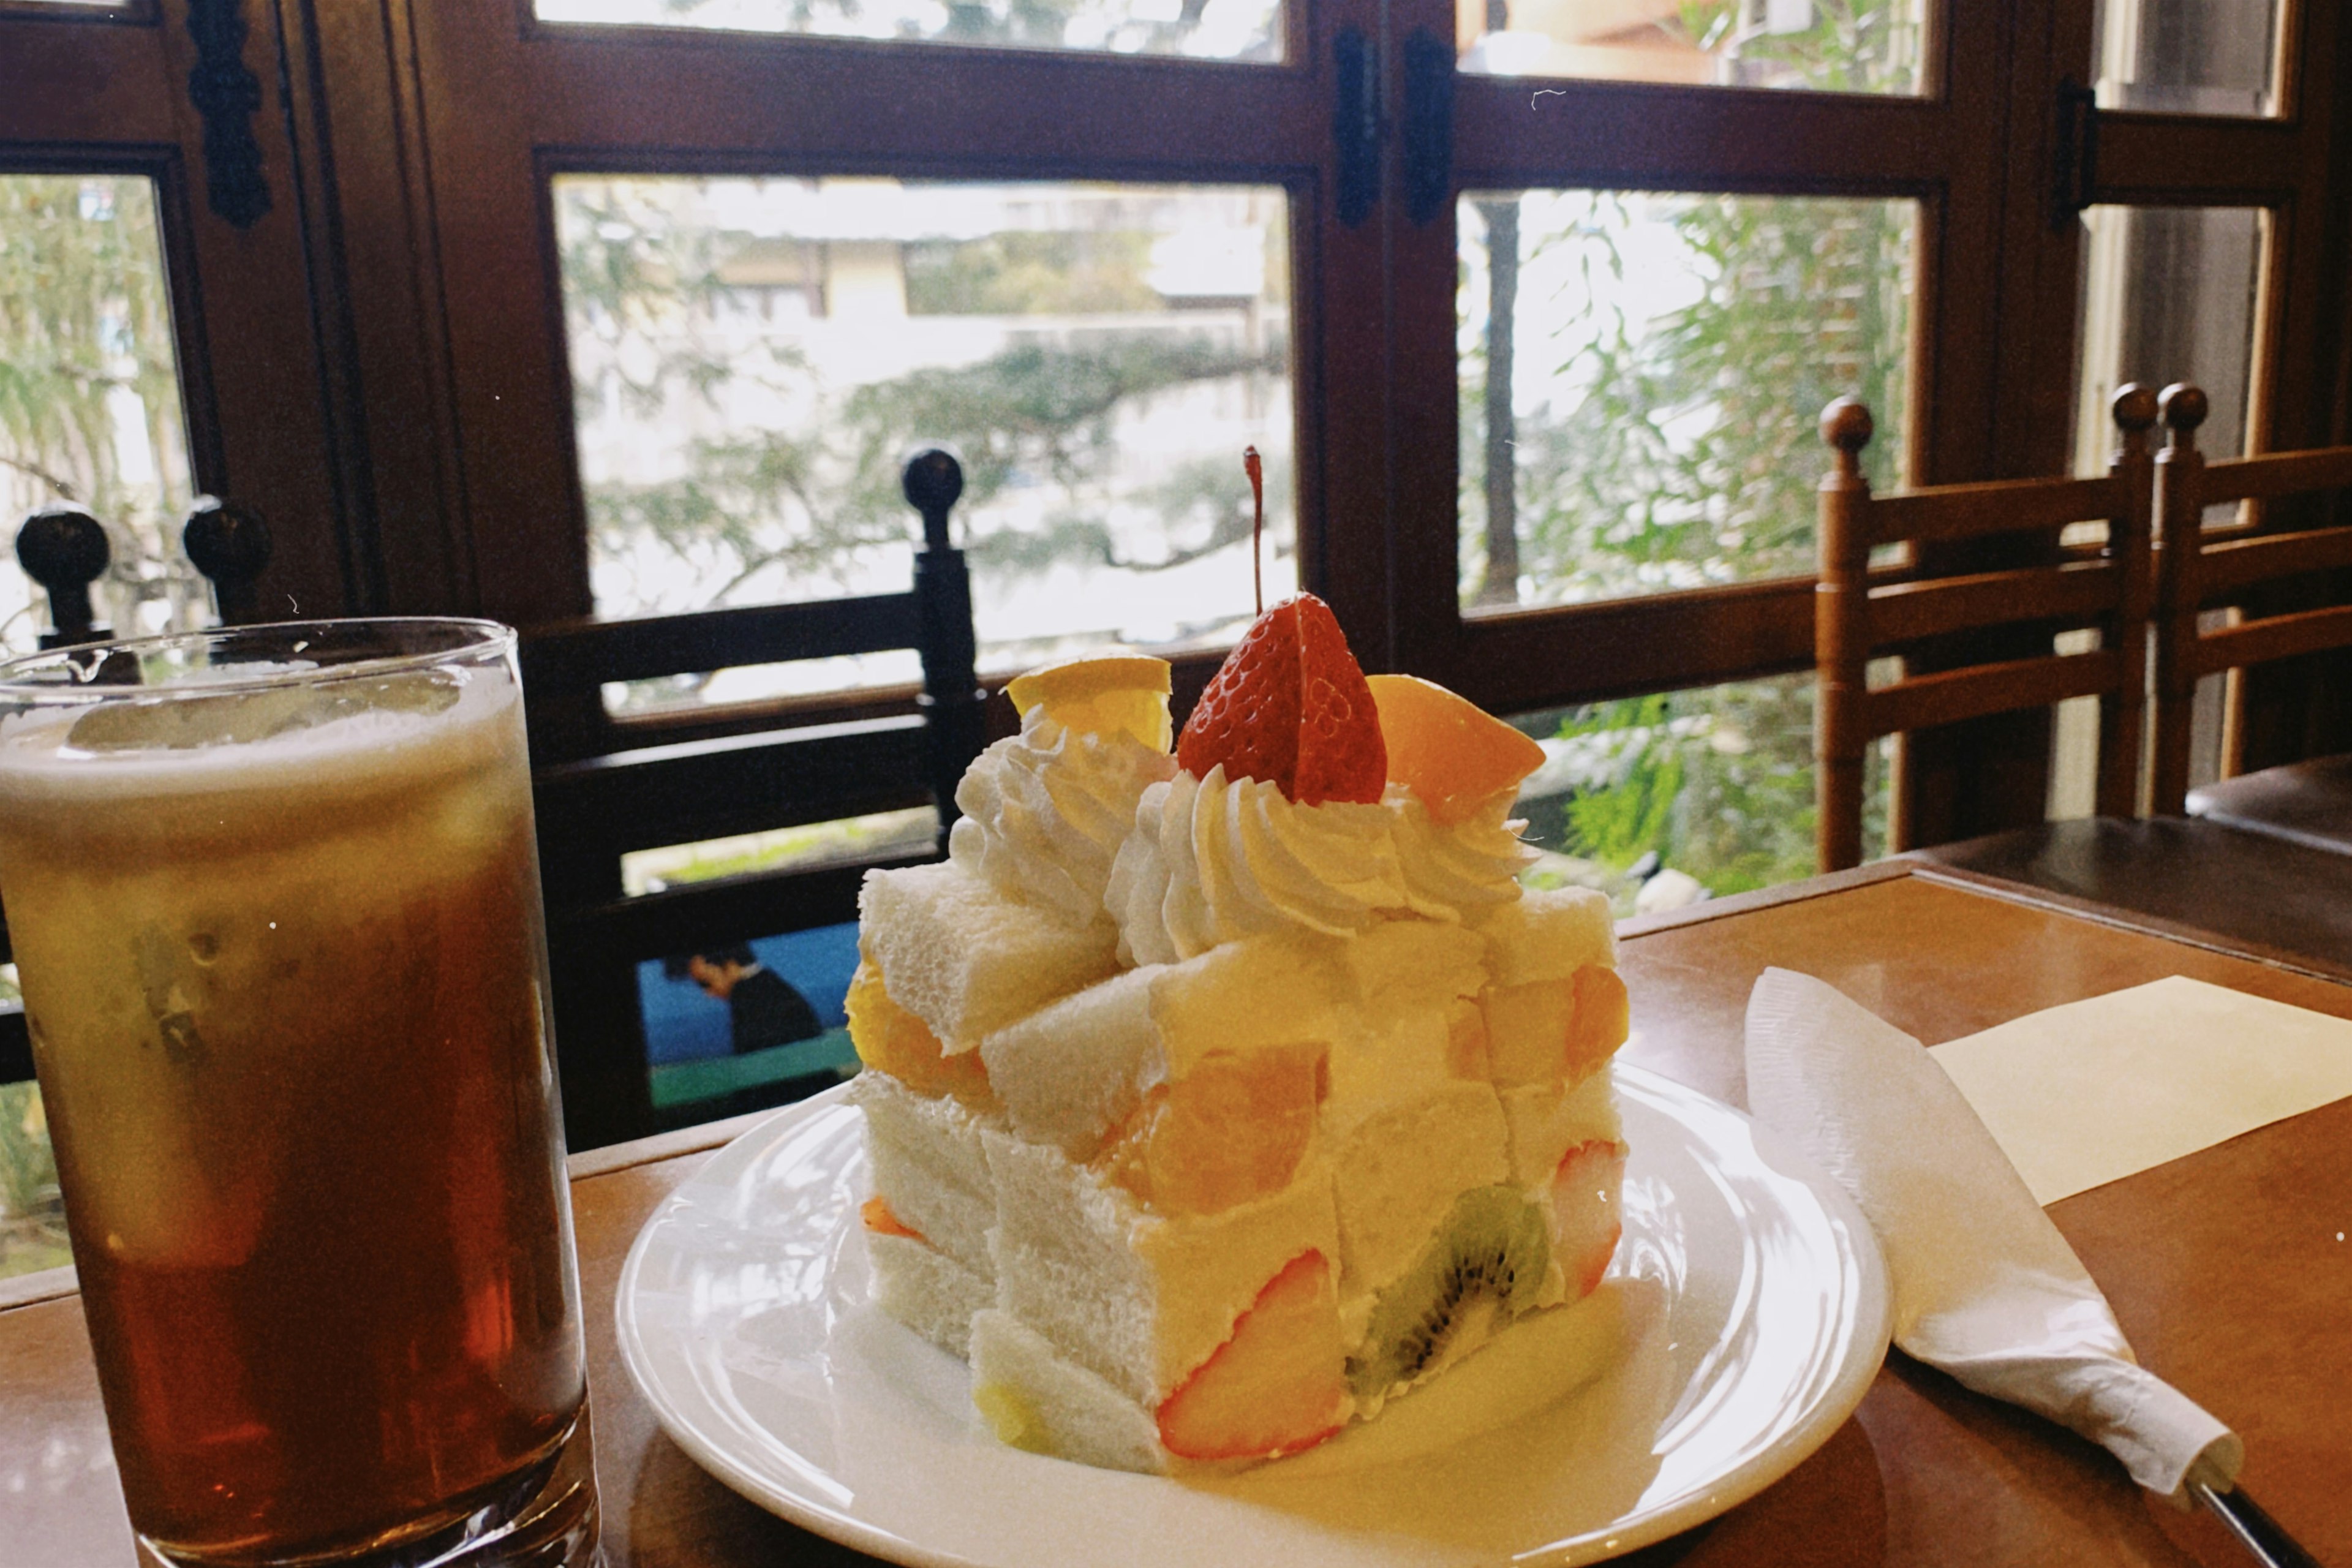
(63, 548)
(1846, 424)
(2184, 406)
(2134, 407)
(933, 481)
(229, 544)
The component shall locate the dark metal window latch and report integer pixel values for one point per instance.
(1428, 125)
(2077, 182)
(1356, 123)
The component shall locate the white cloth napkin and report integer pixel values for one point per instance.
(1985, 1287)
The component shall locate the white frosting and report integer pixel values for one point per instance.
(1044, 812)
(1451, 868)
(1214, 860)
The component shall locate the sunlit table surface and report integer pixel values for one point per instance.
(2225, 1268)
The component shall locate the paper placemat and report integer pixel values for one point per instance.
(2093, 1091)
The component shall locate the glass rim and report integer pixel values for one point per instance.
(62, 676)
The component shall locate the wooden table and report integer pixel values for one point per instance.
(2226, 1268)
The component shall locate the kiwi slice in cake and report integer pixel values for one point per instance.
(1488, 1260)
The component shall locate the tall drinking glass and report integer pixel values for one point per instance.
(275, 906)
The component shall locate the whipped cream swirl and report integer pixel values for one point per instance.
(1213, 861)
(1453, 867)
(1044, 812)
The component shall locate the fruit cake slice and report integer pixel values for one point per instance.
(1332, 1115)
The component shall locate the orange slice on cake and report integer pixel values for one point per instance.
(1101, 696)
(1447, 749)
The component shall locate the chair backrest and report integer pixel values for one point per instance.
(2196, 573)
(1858, 616)
(601, 792)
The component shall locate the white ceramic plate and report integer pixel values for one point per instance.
(1743, 1318)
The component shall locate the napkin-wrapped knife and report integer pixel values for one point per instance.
(1985, 1287)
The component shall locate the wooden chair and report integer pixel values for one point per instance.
(2197, 573)
(601, 791)
(1859, 615)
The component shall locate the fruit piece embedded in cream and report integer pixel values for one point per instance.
(1489, 1262)
(890, 1039)
(1305, 1106)
(1276, 1387)
(1073, 1074)
(1045, 810)
(1585, 1206)
(1234, 1127)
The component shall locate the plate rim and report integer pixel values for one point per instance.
(1837, 1401)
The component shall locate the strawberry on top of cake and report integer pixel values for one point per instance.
(1221, 1096)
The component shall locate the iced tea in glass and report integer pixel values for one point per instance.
(275, 905)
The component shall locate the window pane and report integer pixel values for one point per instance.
(1830, 46)
(2169, 294)
(1202, 29)
(1659, 801)
(2187, 57)
(90, 396)
(1640, 377)
(752, 360)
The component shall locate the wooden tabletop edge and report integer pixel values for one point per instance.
(1764, 899)
(41, 1285)
(1989, 886)
(661, 1146)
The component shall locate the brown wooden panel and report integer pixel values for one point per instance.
(2275, 474)
(1542, 658)
(68, 79)
(572, 656)
(1948, 696)
(1661, 137)
(1954, 513)
(1906, 612)
(2273, 638)
(386, 334)
(596, 94)
(2224, 567)
(2179, 160)
(740, 783)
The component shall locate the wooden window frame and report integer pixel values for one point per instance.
(459, 491)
